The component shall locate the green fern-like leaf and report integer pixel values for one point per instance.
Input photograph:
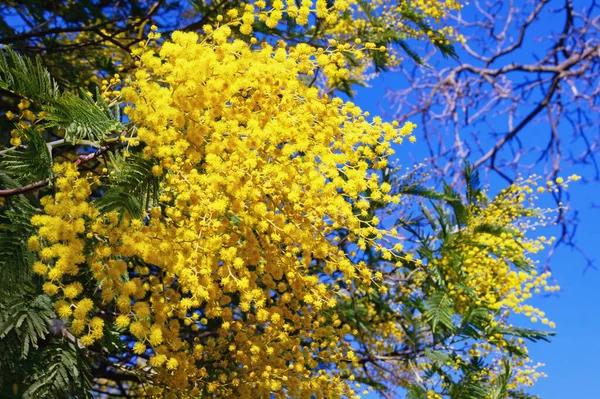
(60, 372)
(26, 78)
(80, 116)
(33, 363)
(525, 333)
(514, 394)
(468, 388)
(15, 229)
(27, 318)
(118, 199)
(134, 188)
(439, 311)
(15, 258)
(498, 391)
(473, 183)
(31, 160)
(438, 357)
(461, 213)
(423, 192)
(416, 392)
(494, 230)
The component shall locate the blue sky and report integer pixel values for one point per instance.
(570, 357)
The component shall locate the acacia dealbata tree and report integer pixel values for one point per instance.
(189, 209)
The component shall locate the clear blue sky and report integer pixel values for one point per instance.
(571, 356)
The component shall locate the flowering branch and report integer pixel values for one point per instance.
(42, 183)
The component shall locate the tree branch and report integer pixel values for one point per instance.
(42, 183)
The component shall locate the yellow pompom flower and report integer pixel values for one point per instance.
(172, 364)
(122, 321)
(50, 289)
(72, 290)
(139, 348)
(40, 268)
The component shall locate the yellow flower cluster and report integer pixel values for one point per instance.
(257, 170)
(400, 16)
(496, 260)
(343, 24)
(486, 266)
(495, 272)
(350, 19)
(231, 285)
(61, 245)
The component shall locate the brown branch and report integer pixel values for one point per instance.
(510, 135)
(205, 18)
(562, 67)
(559, 71)
(75, 29)
(116, 376)
(42, 183)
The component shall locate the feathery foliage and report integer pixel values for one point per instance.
(34, 363)
(15, 229)
(27, 78)
(31, 161)
(80, 116)
(133, 187)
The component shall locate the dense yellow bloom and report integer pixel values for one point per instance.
(242, 263)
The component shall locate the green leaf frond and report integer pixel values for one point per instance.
(499, 389)
(416, 391)
(514, 394)
(32, 160)
(81, 117)
(439, 311)
(33, 362)
(474, 192)
(15, 229)
(26, 78)
(27, 316)
(133, 188)
(420, 20)
(60, 372)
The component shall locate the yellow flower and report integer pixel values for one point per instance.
(63, 309)
(155, 338)
(96, 323)
(33, 243)
(87, 340)
(122, 321)
(158, 360)
(172, 364)
(138, 329)
(72, 290)
(50, 288)
(139, 348)
(40, 268)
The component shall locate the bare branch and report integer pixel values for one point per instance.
(524, 98)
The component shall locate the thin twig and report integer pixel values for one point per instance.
(42, 183)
